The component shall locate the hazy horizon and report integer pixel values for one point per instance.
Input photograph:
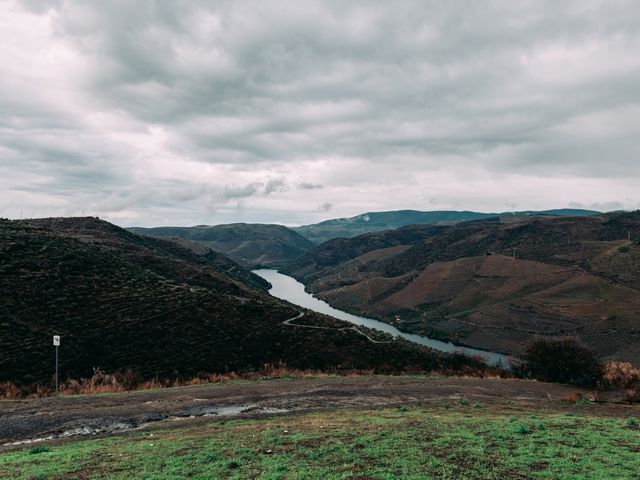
(144, 224)
(187, 113)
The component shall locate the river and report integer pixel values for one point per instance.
(288, 288)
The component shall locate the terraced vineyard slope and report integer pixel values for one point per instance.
(492, 283)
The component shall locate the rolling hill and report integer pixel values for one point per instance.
(120, 300)
(492, 283)
(250, 244)
(379, 221)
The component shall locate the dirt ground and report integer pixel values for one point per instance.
(25, 422)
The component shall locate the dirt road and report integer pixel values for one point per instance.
(22, 422)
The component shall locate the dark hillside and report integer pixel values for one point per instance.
(162, 255)
(249, 244)
(120, 300)
(537, 238)
(338, 250)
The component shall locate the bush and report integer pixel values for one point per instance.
(625, 376)
(37, 450)
(563, 360)
(130, 379)
(632, 422)
(9, 390)
(632, 395)
(621, 375)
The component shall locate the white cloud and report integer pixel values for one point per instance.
(185, 112)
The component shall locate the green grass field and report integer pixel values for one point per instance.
(455, 442)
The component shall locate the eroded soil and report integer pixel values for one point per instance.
(57, 418)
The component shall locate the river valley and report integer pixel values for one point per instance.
(289, 289)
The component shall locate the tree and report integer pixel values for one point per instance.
(562, 360)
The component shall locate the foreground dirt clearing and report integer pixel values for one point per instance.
(86, 415)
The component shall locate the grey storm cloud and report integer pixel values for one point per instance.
(231, 192)
(325, 207)
(275, 186)
(170, 111)
(309, 186)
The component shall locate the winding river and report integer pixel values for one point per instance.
(288, 288)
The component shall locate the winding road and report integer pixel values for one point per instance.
(289, 322)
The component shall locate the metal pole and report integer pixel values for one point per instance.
(56, 369)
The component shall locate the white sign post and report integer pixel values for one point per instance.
(56, 343)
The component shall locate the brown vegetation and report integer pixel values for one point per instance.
(572, 397)
(101, 382)
(621, 375)
(625, 376)
(570, 276)
(131, 380)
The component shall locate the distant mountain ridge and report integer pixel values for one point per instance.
(250, 244)
(378, 221)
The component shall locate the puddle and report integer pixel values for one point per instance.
(224, 411)
(96, 427)
(274, 410)
(28, 442)
(115, 427)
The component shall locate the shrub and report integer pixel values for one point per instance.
(36, 450)
(632, 395)
(9, 390)
(572, 397)
(130, 379)
(563, 360)
(621, 375)
(625, 376)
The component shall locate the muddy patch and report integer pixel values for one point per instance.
(38, 420)
(94, 427)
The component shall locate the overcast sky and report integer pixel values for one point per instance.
(186, 112)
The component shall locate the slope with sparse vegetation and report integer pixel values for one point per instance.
(122, 301)
(250, 244)
(492, 283)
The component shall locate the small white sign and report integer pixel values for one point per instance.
(56, 340)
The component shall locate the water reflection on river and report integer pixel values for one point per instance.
(288, 288)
